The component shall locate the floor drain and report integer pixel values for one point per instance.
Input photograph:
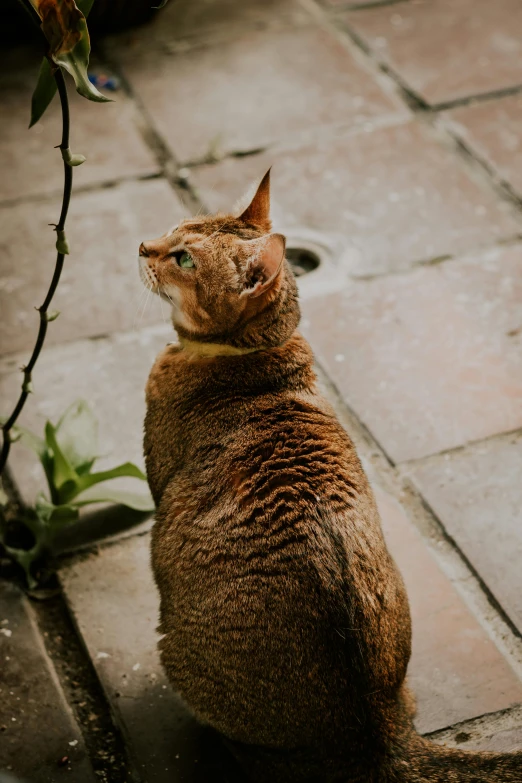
(302, 260)
(322, 263)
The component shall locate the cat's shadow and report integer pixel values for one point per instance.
(172, 747)
(208, 760)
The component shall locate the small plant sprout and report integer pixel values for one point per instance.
(67, 452)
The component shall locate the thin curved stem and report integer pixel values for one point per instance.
(43, 309)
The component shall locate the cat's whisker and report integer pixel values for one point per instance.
(149, 291)
(162, 310)
(148, 299)
(142, 296)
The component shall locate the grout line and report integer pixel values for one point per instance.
(210, 160)
(434, 531)
(430, 113)
(475, 252)
(166, 159)
(299, 140)
(481, 97)
(353, 5)
(461, 448)
(412, 99)
(9, 362)
(82, 689)
(362, 54)
(475, 158)
(490, 723)
(87, 188)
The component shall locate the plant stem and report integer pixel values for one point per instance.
(43, 309)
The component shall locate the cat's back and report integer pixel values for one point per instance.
(252, 552)
(245, 550)
(253, 475)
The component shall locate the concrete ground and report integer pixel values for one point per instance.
(395, 134)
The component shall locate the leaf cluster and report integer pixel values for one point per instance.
(68, 452)
(63, 23)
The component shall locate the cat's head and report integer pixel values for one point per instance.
(225, 277)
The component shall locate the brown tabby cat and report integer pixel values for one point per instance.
(286, 624)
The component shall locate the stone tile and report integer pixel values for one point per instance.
(477, 494)
(446, 49)
(500, 733)
(100, 290)
(446, 637)
(498, 742)
(109, 373)
(396, 195)
(105, 133)
(115, 605)
(493, 129)
(428, 360)
(504, 741)
(258, 87)
(37, 725)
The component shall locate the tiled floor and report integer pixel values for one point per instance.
(422, 341)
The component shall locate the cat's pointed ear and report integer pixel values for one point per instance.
(258, 211)
(266, 265)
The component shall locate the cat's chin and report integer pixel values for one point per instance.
(163, 296)
(173, 297)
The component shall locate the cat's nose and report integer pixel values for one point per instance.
(144, 251)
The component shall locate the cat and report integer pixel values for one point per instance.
(285, 621)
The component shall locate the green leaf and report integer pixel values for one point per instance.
(28, 438)
(135, 500)
(62, 471)
(127, 469)
(55, 516)
(43, 507)
(39, 446)
(77, 434)
(85, 6)
(65, 28)
(25, 558)
(44, 92)
(73, 159)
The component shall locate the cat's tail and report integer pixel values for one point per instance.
(421, 761)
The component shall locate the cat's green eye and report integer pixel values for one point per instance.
(186, 261)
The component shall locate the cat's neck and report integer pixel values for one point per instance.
(196, 349)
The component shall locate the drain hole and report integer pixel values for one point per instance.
(302, 261)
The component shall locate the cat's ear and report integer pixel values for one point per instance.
(266, 264)
(258, 211)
